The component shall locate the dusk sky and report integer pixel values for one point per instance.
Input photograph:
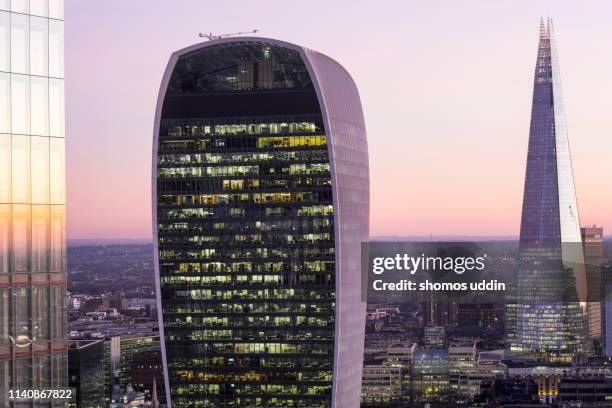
(446, 88)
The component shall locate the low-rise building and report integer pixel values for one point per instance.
(381, 385)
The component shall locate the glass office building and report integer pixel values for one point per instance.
(121, 351)
(547, 321)
(86, 374)
(260, 203)
(32, 196)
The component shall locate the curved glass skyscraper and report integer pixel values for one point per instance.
(547, 322)
(260, 203)
(32, 198)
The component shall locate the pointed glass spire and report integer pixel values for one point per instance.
(544, 322)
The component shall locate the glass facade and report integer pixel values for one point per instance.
(245, 226)
(551, 260)
(86, 374)
(32, 197)
(122, 350)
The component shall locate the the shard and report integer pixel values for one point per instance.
(547, 322)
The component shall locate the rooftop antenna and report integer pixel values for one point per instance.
(212, 36)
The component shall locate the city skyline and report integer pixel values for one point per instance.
(262, 191)
(449, 55)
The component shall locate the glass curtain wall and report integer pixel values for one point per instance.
(32, 196)
(245, 220)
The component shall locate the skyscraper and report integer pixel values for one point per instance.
(32, 197)
(260, 203)
(592, 242)
(606, 309)
(546, 321)
(86, 374)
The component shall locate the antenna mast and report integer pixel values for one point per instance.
(212, 36)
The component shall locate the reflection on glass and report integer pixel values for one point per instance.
(4, 317)
(56, 107)
(57, 311)
(5, 168)
(57, 171)
(40, 238)
(40, 312)
(20, 104)
(5, 41)
(59, 378)
(23, 372)
(42, 362)
(39, 8)
(5, 237)
(56, 9)
(32, 171)
(56, 247)
(21, 237)
(56, 49)
(5, 103)
(20, 43)
(39, 46)
(40, 106)
(20, 6)
(4, 370)
(40, 169)
(21, 169)
(22, 322)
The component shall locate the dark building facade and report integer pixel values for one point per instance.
(606, 310)
(86, 374)
(121, 352)
(146, 367)
(592, 243)
(587, 390)
(261, 199)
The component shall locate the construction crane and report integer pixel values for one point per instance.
(212, 36)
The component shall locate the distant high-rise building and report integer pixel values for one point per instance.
(592, 241)
(146, 373)
(474, 314)
(435, 311)
(260, 203)
(86, 374)
(606, 310)
(546, 321)
(434, 336)
(33, 353)
(121, 353)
